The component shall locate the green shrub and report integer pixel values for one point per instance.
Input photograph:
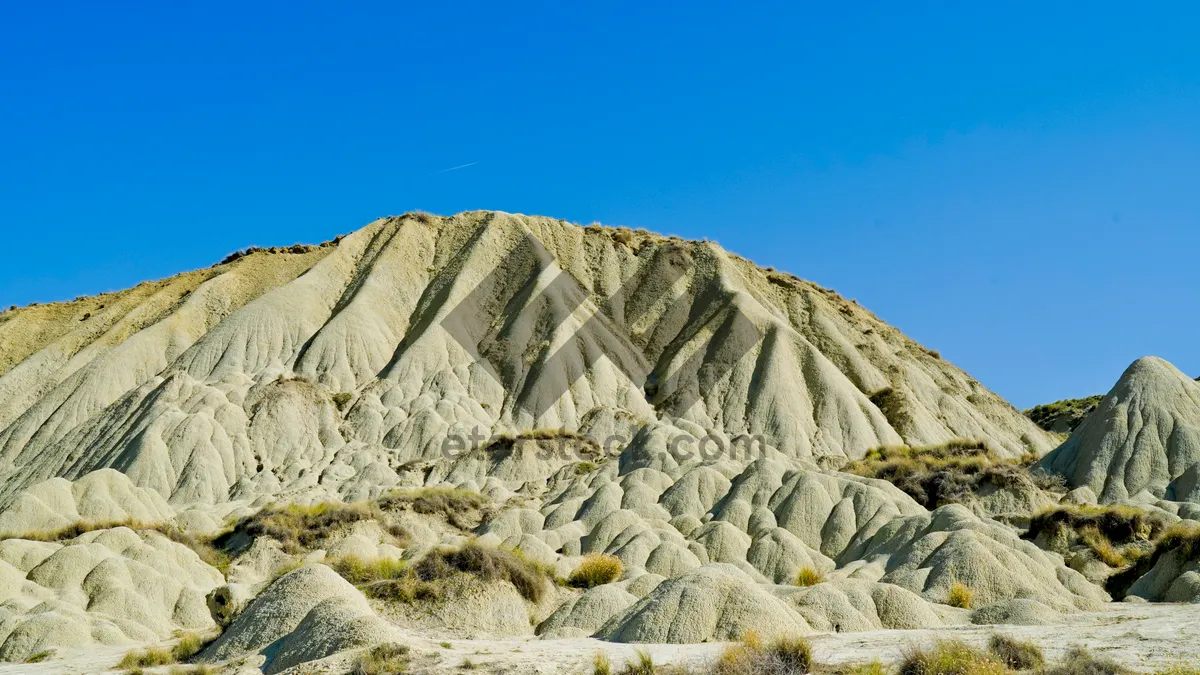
(949, 657)
(341, 399)
(1070, 411)
(596, 570)
(584, 468)
(384, 659)
(1016, 654)
(808, 576)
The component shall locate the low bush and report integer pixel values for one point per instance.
(488, 564)
(1118, 524)
(460, 508)
(341, 399)
(949, 657)
(949, 473)
(808, 576)
(199, 669)
(596, 570)
(960, 596)
(1016, 654)
(384, 659)
(1181, 539)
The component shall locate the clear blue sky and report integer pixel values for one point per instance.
(1014, 184)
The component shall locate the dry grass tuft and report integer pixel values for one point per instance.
(1080, 661)
(1016, 654)
(601, 665)
(358, 570)
(949, 657)
(960, 595)
(384, 659)
(596, 570)
(147, 658)
(189, 645)
(785, 656)
(808, 576)
(44, 655)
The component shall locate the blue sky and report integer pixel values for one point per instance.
(1015, 185)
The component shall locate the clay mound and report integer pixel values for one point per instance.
(107, 587)
(101, 496)
(306, 614)
(713, 602)
(332, 367)
(1143, 441)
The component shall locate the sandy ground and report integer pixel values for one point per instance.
(1141, 636)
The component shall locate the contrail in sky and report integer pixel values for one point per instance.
(454, 168)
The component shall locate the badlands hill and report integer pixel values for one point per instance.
(308, 458)
(331, 366)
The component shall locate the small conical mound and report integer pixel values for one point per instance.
(1143, 438)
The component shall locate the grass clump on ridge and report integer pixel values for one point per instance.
(384, 659)
(358, 570)
(203, 546)
(300, 529)
(430, 579)
(487, 564)
(948, 473)
(1071, 411)
(458, 507)
(807, 576)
